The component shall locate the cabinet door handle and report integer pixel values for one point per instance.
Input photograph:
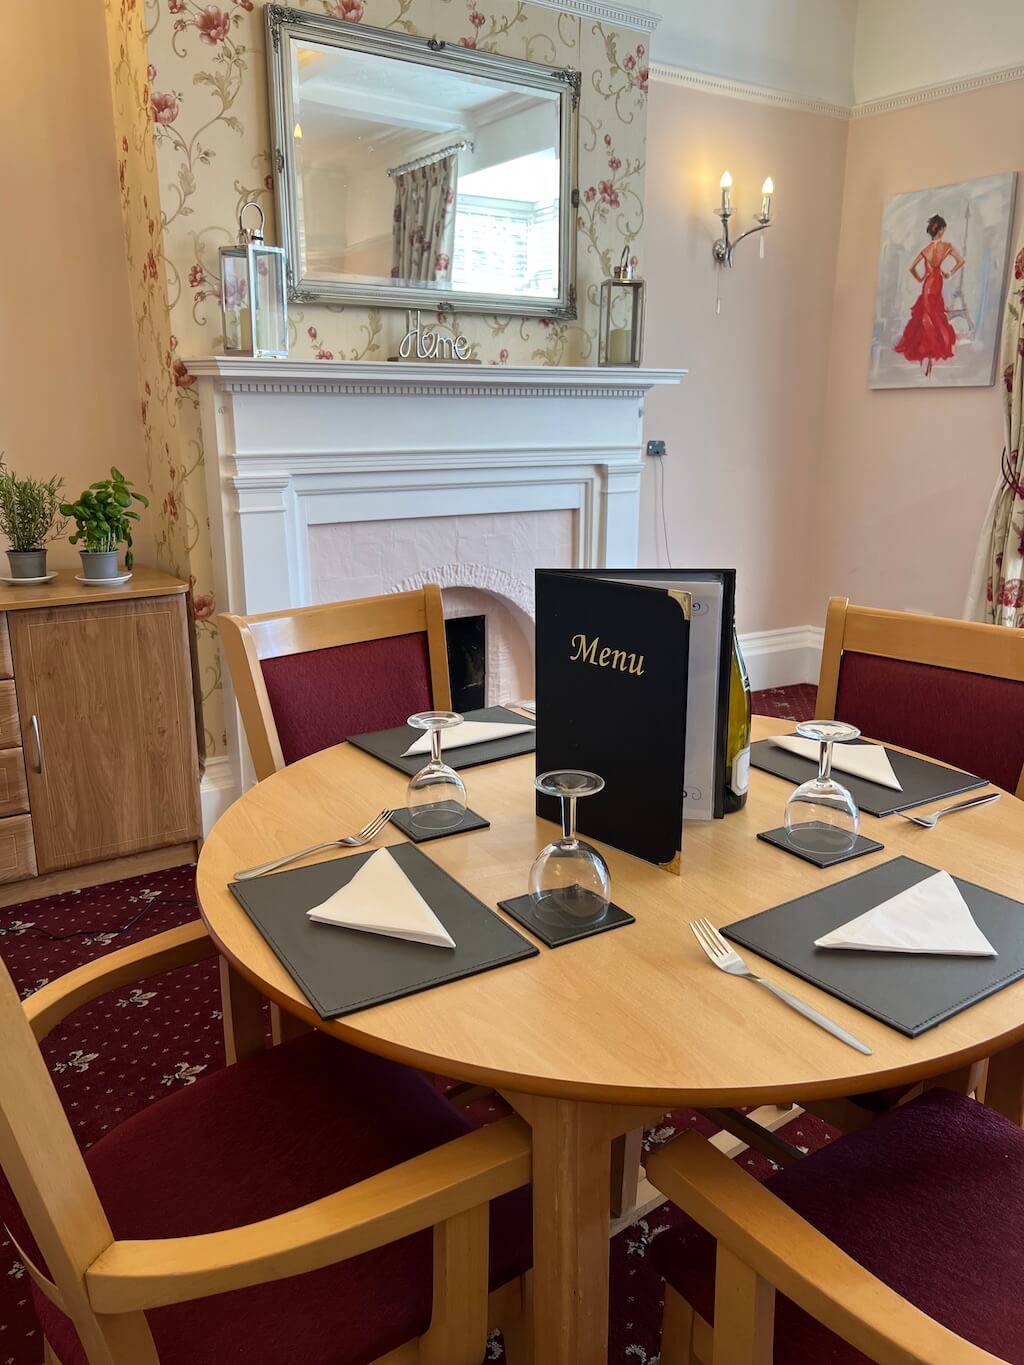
(38, 741)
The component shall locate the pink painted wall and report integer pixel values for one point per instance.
(906, 475)
(744, 428)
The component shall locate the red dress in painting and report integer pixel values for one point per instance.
(928, 335)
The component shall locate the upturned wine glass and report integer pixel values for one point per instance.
(436, 796)
(569, 878)
(821, 815)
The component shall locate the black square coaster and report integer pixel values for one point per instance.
(566, 929)
(825, 858)
(400, 819)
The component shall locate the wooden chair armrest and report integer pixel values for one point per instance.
(799, 1261)
(428, 1189)
(162, 953)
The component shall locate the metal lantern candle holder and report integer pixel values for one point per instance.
(621, 328)
(253, 297)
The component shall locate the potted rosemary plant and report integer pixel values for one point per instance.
(103, 517)
(28, 518)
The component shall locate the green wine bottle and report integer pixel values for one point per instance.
(737, 747)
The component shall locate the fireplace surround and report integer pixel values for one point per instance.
(336, 479)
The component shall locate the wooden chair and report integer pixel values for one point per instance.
(953, 690)
(276, 1210)
(307, 678)
(902, 1242)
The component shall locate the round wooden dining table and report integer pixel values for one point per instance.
(597, 1038)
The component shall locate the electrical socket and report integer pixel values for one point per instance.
(656, 448)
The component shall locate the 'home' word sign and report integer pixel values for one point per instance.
(427, 343)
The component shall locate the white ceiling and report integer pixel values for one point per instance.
(842, 51)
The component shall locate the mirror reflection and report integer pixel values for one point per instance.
(422, 177)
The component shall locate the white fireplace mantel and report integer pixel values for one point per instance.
(296, 445)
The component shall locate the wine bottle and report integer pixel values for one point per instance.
(737, 748)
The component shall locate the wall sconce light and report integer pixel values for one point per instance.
(725, 246)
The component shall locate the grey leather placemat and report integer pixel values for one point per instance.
(344, 970)
(910, 992)
(922, 780)
(389, 745)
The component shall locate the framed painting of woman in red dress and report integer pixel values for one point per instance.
(941, 276)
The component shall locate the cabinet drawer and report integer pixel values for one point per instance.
(13, 786)
(17, 850)
(10, 730)
(6, 662)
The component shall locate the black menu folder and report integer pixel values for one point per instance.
(612, 675)
(923, 781)
(911, 992)
(389, 745)
(344, 970)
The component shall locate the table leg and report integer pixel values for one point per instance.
(1004, 1088)
(243, 1015)
(572, 1166)
(572, 1208)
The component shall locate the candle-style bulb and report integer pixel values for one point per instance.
(768, 187)
(297, 131)
(767, 190)
(725, 185)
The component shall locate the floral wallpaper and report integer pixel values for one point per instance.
(205, 91)
(173, 453)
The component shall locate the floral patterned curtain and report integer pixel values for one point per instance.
(997, 588)
(424, 227)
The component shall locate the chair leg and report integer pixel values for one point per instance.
(242, 1006)
(284, 1026)
(744, 1313)
(517, 1327)
(677, 1330)
(627, 1153)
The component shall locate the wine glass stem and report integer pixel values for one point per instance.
(825, 761)
(435, 747)
(569, 819)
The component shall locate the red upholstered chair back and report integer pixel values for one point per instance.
(309, 678)
(953, 690)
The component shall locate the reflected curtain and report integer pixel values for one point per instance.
(424, 221)
(997, 584)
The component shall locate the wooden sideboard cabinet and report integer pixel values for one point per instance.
(99, 766)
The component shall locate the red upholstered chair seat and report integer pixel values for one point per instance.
(273, 1132)
(930, 1198)
(968, 720)
(322, 696)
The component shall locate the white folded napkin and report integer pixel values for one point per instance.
(869, 761)
(380, 899)
(469, 732)
(931, 917)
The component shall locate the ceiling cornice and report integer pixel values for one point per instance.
(942, 90)
(742, 90)
(808, 104)
(607, 11)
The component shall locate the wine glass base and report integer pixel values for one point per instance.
(569, 904)
(440, 815)
(816, 836)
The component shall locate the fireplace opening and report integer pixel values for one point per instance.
(467, 661)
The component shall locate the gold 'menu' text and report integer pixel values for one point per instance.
(588, 651)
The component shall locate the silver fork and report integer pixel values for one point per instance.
(362, 836)
(930, 821)
(728, 960)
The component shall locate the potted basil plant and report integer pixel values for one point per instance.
(103, 517)
(28, 518)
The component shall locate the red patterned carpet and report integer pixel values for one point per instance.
(129, 1048)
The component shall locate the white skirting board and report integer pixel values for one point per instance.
(780, 658)
(774, 658)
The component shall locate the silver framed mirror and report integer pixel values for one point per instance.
(413, 174)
